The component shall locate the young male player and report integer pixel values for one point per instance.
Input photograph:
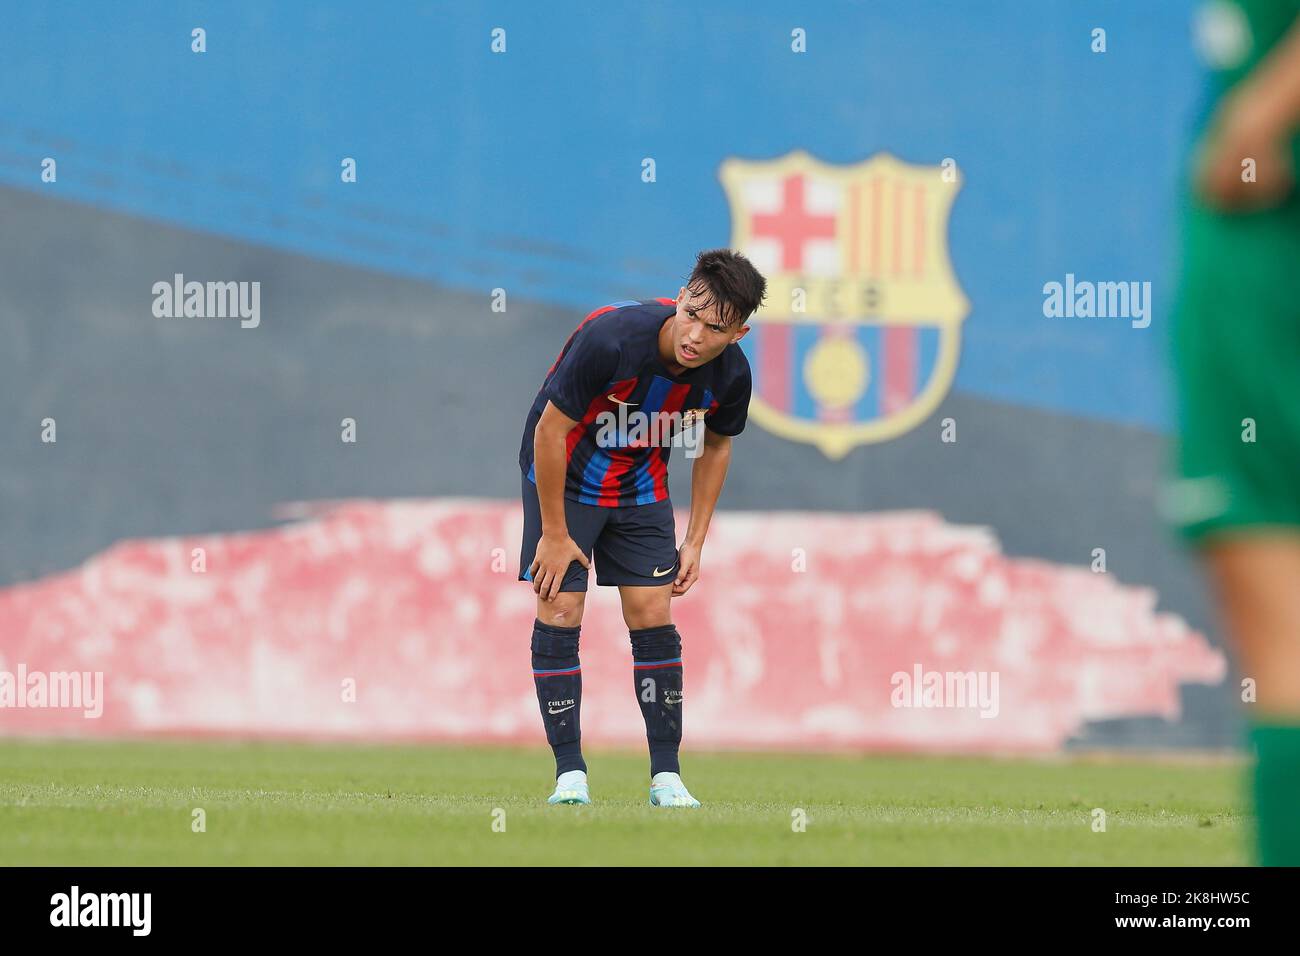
(1237, 354)
(595, 481)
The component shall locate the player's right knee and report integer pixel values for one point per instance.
(564, 611)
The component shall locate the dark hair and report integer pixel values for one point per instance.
(730, 280)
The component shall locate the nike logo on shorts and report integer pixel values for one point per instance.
(659, 574)
(561, 710)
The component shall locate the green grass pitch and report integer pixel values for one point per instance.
(109, 803)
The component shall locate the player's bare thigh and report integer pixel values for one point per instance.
(563, 610)
(646, 606)
(1257, 576)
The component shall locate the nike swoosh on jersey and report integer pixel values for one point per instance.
(561, 710)
(611, 397)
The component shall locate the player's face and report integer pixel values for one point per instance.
(698, 333)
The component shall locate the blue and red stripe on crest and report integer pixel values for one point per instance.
(900, 360)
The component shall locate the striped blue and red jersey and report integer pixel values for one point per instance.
(610, 360)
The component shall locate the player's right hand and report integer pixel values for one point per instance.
(554, 555)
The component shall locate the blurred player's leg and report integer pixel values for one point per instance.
(1237, 354)
(1258, 580)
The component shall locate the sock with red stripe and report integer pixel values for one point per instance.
(657, 670)
(558, 678)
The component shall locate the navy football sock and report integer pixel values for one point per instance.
(657, 671)
(558, 678)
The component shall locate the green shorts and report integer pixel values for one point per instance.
(1236, 338)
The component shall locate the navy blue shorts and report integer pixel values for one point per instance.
(636, 544)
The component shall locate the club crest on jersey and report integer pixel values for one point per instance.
(859, 337)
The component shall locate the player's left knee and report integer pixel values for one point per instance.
(647, 613)
(642, 621)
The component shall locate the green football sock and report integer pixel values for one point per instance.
(1277, 791)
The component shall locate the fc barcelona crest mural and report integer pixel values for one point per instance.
(859, 337)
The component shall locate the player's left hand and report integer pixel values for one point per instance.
(688, 568)
(1243, 130)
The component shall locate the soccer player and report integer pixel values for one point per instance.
(631, 379)
(1237, 357)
